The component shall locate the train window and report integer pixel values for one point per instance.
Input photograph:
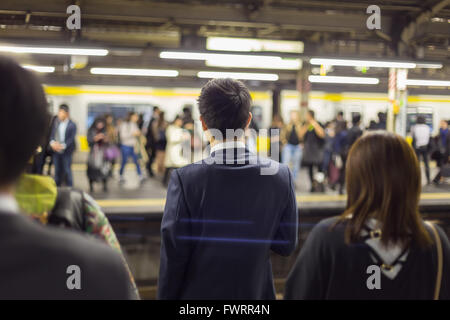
(118, 110)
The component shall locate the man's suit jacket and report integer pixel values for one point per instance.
(220, 223)
(69, 139)
(35, 261)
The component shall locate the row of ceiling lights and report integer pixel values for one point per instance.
(235, 61)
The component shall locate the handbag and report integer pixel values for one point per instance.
(112, 153)
(437, 239)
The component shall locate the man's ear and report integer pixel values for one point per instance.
(204, 126)
(250, 116)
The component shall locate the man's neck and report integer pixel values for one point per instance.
(214, 142)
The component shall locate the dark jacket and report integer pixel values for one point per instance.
(71, 132)
(328, 268)
(220, 223)
(36, 259)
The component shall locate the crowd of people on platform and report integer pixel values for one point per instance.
(323, 149)
(222, 219)
(320, 148)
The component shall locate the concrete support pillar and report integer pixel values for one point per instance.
(396, 120)
(304, 88)
(276, 102)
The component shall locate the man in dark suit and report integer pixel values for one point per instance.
(225, 214)
(62, 141)
(42, 262)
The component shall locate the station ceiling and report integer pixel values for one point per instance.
(136, 31)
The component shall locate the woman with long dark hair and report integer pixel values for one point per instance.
(380, 247)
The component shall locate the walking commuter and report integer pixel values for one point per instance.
(421, 134)
(129, 132)
(62, 142)
(313, 136)
(291, 138)
(40, 260)
(380, 247)
(225, 214)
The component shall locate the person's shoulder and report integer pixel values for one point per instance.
(65, 244)
(329, 231)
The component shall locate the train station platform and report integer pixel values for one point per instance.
(148, 199)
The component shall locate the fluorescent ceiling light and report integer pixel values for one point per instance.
(362, 63)
(250, 62)
(429, 65)
(429, 83)
(239, 75)
(135, 72)
(43, 69)
(51, 50)
(347, 80)
(236, 60)
(255, 45)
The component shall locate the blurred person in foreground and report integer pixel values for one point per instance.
(381, 228)
(62, 142)
(223, 217)
(39, 259)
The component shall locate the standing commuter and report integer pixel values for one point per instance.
(291, 138)
(444, 151)
(159, 131)
(62, 142)
(340, 152)
(313, 136)
(421, 134)
(151, 141)
(225, 214)
(380, 247)
(177, 137)
(40, 261)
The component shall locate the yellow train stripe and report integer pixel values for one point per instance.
(339, 97)
(72, 91)
(256, 95)
(300, 199)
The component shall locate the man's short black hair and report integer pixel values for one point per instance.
(356, 118)
(24, 119)
(311, 113)
(225, 104)
(421, 119)
(64, 107)
(341, 113)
